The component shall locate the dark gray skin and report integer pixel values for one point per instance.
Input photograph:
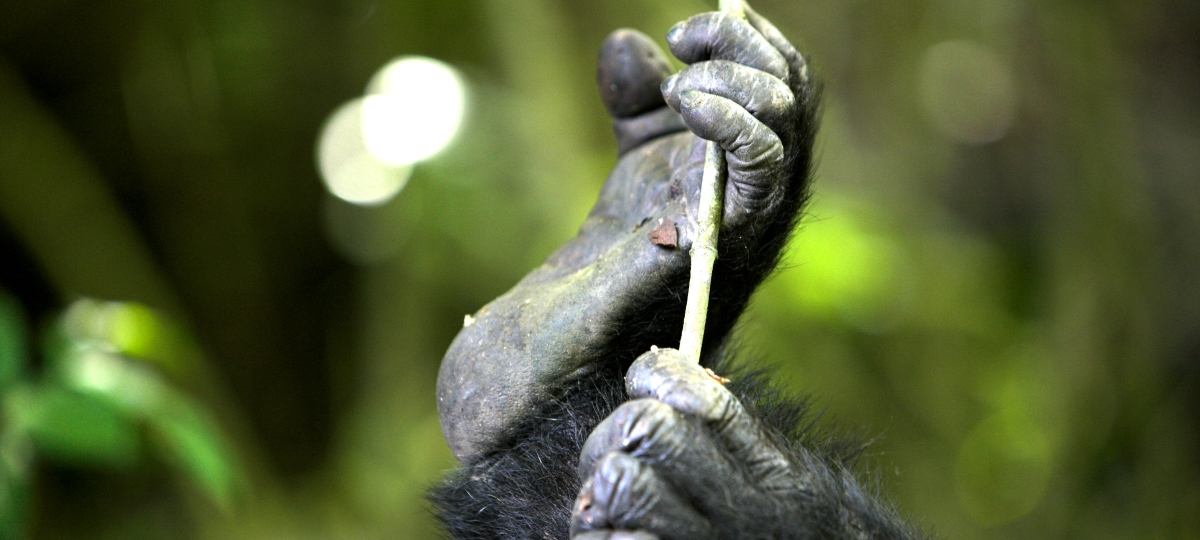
(747, 89)
(680, 456)
(669, 451)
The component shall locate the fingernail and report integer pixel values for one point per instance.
(687, 98)
(669, 84)
(675, 33)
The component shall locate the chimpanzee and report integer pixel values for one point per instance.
(564, 424)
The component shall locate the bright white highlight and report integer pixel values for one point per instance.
(413, 108)
(350, 171)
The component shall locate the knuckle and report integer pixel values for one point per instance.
(619, 482)
(698, 396)
(647, 424)
(724, 407)
(599, 441)
(677, 383)
(715, 402)
(652, 369)
(615, 468)
(762, 147)
(614, 535)
(593, 535)
(777, 65)
(588, 514)
(643, 412)
(714, 20)
(773, 154)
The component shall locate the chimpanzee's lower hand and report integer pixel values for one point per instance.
(685, 460)
(619, 286)
(680, 457)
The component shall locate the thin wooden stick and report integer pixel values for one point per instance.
(704, 248)
(733, 7)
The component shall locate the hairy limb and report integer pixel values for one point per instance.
(702, 466)
(618, 287)
(537, 384)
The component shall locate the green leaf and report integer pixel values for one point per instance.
(14, 505)
(74, 428)
(87, 358)
(193, 443)
(133, 330)
(12, 341)
(15, 464)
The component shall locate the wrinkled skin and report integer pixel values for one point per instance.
(747, 88)
(683, 457)
(685, 460)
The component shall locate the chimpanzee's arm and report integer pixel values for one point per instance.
(612, 291)
(523, 387)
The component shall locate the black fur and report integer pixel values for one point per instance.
(525, 487)
(525, 484)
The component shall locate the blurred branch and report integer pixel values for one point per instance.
(55, 202)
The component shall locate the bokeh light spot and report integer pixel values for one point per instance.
(1003, 468)
(845, 270)
(413, 109)
(967, 91)
(349, 171)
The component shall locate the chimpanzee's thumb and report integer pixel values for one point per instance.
(630, 72)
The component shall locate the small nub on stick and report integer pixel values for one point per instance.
(733, 7)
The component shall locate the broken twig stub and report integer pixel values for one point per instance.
(666, 234)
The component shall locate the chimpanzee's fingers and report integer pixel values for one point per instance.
(721, 36)
(676, 446)
(680, 450)
(625, 494)
(630, 73)
(755, 153)
(766, 97)
(796, 63)
(669, 377)
(614, 535)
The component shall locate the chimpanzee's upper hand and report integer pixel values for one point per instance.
(619, 286)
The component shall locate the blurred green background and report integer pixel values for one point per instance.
(998, 279)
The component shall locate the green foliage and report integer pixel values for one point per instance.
(190, 440)
(1003, 469)
(15, 446)
(133, 330)
(73, 428)
(14, 489)
(115, 352)
(104, 391)
(12, 341)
